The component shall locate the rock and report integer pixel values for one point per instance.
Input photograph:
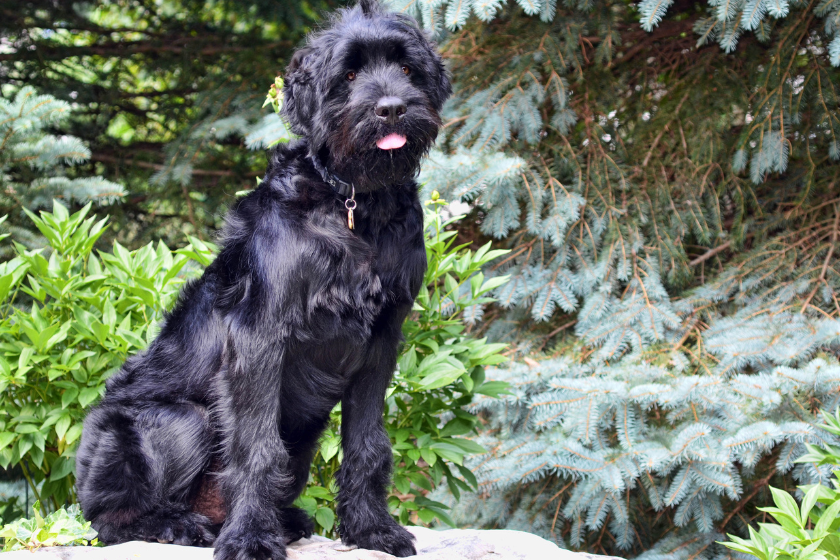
(453, 544)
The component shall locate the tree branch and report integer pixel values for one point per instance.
(710, 253)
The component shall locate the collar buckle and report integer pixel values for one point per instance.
(343, 188)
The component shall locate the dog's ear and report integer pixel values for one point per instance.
(370, 7)
(299, 99)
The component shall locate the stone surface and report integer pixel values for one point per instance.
(454, 544)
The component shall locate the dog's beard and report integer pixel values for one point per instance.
(354, 155)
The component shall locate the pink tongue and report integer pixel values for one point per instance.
(391, 142)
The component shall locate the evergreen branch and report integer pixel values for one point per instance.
(710, 253)
(828, 255)
(758, 486)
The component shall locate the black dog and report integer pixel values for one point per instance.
(211, 430)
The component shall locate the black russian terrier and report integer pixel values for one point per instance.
(208, 435)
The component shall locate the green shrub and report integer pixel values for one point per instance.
(68, 319)
(63, 527)
(440, 370)
(806, 532)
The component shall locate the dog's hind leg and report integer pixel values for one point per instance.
(137, 470)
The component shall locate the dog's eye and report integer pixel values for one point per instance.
(406, 70)
(350, 76)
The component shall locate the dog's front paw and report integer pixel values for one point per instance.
(388, 537)
(234, 544)
(296, 524)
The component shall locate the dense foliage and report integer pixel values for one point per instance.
(809, 532)
(69, 316)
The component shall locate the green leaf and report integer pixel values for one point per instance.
(25, 355)
(320, 493)
(402, 483)
(329, 447)
(325, 518)
(26, 428)
(420, 481)
(69, 396)
(466, 445)
(62, 467)
(468, 476)
(451, 286)
(493, 388)
(426, 515)
(307, 503)
(79, 356)
(88, 395)
(109, 314)
(62, 425)
(492, 284)
(84, 318)
(428, 455)
(786, 504)
(827, 518)
(808, 502)
(6, 438)
(73, 434)
(6, 282)
(132, 338)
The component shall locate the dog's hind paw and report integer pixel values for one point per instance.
(296, 524)
(235, 544)
(390, 538)
(188, 529)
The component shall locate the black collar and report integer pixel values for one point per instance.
(343, 188)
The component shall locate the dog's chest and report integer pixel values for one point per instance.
(362, 273)
(361, 280)
(367, 284)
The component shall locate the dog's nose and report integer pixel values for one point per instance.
(390, 109)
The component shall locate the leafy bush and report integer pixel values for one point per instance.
(69, 317)
(808, 532)
(63, 527)
(440, 371)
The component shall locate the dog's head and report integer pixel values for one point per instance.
(366, 92)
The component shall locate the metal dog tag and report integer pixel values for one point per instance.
(350, 204)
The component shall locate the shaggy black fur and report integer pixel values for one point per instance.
(208, 435)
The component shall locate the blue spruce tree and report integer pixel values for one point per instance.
(666, 177)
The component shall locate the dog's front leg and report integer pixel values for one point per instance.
(365, 473)
(256, 472)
